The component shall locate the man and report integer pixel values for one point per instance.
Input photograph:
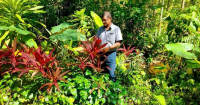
(110, 34)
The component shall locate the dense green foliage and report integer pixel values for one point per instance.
(49, 55)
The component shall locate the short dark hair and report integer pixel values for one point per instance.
(106, 13)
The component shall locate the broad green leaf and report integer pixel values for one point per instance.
(30, 96)
(70, 100)
(31, 43)
(184, 16)
(181, 49)
(15, 95)
(22, 100)
(83, 94)
(193, 8)
(19, 31)
(46, 99)
(4, 28)
(97, 20)
(192, 64)
(20, 18)
(36, 8)
(16, 103)
(191, 81)
(60, 28)
(160, 99)
(184, 46)
(67, 35)
(73, 91)
(196, 21)
(72, 49)
(158, 81)
(191, 27)
(4, 36)
(24, 93)
(55, 99)
(196, 49)
(5, 98)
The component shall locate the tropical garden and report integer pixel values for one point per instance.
(49, 53)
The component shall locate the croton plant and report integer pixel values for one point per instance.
(91, 55)
(26, 59)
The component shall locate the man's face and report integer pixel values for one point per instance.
(106, 21)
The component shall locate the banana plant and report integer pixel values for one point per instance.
(97, 20)
(182, 50)
(14, 24)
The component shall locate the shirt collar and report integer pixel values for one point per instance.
(111, 26)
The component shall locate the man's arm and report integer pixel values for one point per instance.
(106, 49)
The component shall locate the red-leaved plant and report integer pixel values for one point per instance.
(93, 49)
(91, 55)
(127, 51)
(54, 76)
(27, 59)
(9, 60)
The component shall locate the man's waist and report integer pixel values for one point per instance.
(109, 52)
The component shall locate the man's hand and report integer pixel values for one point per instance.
(104, 50)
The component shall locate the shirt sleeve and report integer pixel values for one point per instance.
(98, 32)
(118, 35)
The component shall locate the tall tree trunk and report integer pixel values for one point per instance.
(161, 15)
(182, 5)
(168, 5)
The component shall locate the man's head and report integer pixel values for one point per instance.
(107, 19)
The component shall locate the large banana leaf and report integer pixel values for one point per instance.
(97, 20)
(61, 28)
(181, 49)
(69, 34)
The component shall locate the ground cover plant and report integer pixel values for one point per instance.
(49, 53)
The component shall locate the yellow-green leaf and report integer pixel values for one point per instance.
(70, 100)
(20, 18)
(4, 36)
(160, 99)
(97, 20)
(36, 8)
(191, 27)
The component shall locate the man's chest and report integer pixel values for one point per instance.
(107, 35)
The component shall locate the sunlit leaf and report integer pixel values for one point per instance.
(181, 49)
(191, 27)
(36, 8)
(60, 28)
(4, 36)
(160, 99)
(191, 81)
(31, 43)
(192, 64)
(67, 35)
(39, 11)
(20, 18)
(97, 20)
(70, 100)
(196, 20)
